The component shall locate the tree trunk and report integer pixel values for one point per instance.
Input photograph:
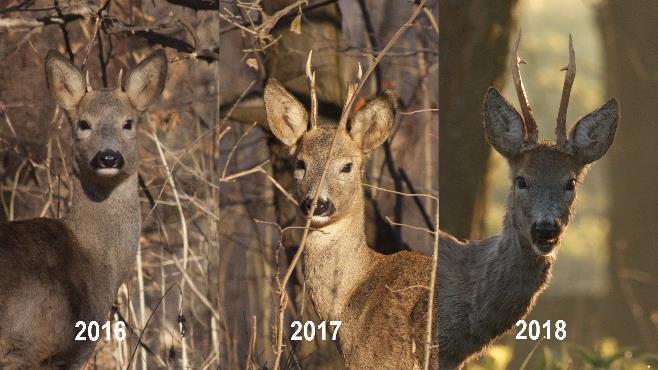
(473, 57)
(631, 66)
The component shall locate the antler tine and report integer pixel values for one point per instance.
(569, 77)
(529, 120)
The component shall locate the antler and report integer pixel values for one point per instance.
(87, 82)
(569, 77)
(314, 97)
(528, 119)
(120, 79)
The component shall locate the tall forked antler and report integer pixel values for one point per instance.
(569, 77)
(530, 124)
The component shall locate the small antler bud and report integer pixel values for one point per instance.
(120, 79)
(88, 82)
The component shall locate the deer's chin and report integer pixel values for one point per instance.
(544, 247)
(320, 221)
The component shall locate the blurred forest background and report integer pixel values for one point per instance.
(213, 182)
(605, 282)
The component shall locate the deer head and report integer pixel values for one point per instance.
(545, 175)
(309, 145)
(104, 122)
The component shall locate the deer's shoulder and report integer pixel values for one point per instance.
(36, 241)
(40, 252)
(395, 284)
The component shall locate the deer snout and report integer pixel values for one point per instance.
(324, 207)
(545, 230)
(107, 160)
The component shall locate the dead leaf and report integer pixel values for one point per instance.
(251, 62)
(359, 104)
(296, 25)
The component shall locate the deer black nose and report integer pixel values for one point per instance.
(545, 230)
(323, 207)
(108, 159)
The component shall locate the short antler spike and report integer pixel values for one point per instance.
(569, 77)
(310, 74)
(120, 79)
(529, 120)
(88, 82)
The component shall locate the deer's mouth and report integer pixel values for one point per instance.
(323, 217)
(107, 172)
(544, 247)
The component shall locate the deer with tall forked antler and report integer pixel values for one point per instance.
(485, 286)
(56, 272)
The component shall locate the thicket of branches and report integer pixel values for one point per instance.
(214, 188)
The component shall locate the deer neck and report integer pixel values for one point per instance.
(336, 261)
(107, 223)
(508, 280)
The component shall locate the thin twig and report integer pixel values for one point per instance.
(429, 231)
(433, 287)
(401, 193)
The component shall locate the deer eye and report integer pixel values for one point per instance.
(347, 168)
(300, 165)
(128, 125)
(520, 183)
(571, 185)
(84, 125)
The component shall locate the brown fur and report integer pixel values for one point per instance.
(485, 286)
(54, 273)
(381, 300)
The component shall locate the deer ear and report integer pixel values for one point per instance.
(372, 124)
(286, 116)
(65, 82)
(145, 82)
(502, 124)
(593, 134)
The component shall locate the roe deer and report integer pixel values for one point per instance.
(54, 272)
(485, 286)
(382, 300)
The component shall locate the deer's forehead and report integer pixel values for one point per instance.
(105, 104)
(546, 163)
(317, 142)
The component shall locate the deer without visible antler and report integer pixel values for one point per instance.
(56, 272)
(382, 300)
(485, 286)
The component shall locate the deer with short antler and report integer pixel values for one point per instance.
(381, 300)
(485, 286)
(56, 272)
